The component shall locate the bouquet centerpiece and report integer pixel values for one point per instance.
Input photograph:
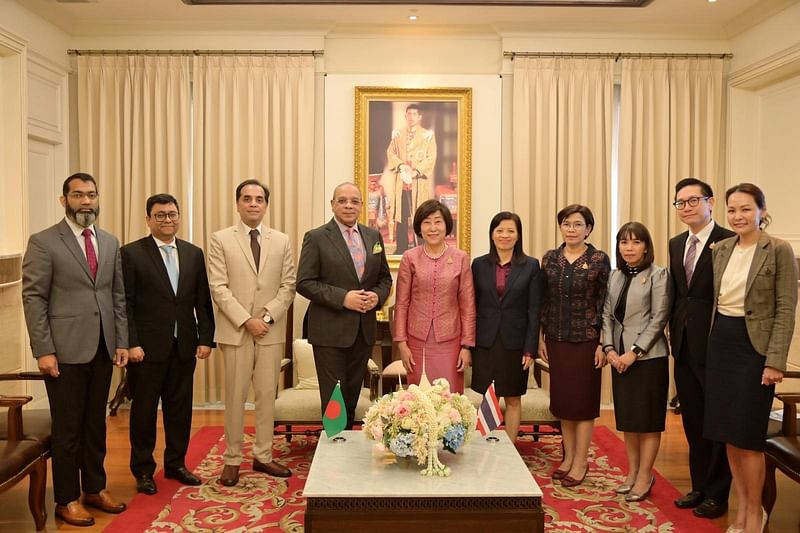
(413, 422)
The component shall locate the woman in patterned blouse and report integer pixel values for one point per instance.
(575, 278)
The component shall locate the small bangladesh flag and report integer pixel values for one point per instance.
(334, 419)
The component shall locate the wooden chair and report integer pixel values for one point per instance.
(24, 450)
(782, 451)
(298, 402)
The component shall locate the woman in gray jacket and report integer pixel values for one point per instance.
(634, 316)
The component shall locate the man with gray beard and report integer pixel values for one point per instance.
(74, 301)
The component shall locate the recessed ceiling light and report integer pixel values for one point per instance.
(711, 1)
(412, 17)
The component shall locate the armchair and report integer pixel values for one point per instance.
(782, 451)
(298, 403)
(24, 450)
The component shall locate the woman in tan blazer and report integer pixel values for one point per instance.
(755, 287)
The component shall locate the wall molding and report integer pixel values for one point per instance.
(770, 70)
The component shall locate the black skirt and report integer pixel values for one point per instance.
(737, 404)
(501, 365)
(640, 396)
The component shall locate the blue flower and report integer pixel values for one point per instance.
(401, 445)
(453, 438)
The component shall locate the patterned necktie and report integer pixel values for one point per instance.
(255, 246)
(91, 255)
(356, 251)
(172, 270)
(688, 264)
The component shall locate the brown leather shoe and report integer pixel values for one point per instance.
(104, 501)
(74, 514)
(230, 475)
(272, 468)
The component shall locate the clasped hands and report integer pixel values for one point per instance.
(360, 301)
(621, 362)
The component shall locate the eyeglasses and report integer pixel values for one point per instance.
(691, 202)
(172, 215)
(78, 195)
(352, 201)
(577, 226)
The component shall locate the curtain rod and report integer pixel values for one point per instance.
(616, 55)
(197, 52)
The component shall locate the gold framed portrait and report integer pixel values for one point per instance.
(413, 145)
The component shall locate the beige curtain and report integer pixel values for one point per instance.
(671, 127)
(253, 118)
(134, 134)
(561, 152)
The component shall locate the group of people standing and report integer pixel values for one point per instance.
(727, 297)
(155, 307)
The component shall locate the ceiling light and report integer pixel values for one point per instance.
(412, 17)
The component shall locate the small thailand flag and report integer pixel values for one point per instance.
(489, 414)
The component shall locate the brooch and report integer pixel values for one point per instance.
(449, 260)
(377, 248)
(585, 266)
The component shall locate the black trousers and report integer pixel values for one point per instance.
(347, 365)
(172, 382)
(708, 460)
(78, 410)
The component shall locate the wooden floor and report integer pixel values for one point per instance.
(672, 464)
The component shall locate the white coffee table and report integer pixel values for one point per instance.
(351, 487)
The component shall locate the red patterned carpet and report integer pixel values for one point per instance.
(263, 503)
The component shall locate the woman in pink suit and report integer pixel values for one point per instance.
(435, 303)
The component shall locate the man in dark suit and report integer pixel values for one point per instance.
(692, 285)
(171, 325)
(74, 302)
(343, 271)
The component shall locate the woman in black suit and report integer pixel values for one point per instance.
(507, 299)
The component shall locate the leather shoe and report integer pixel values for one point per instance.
(104, 501)
(272, 468)
(146, 485)
(690, 500)
(633, 497)
(230, 475)
(710, 508)
(182, 475)
(74, 514)
(569, 481)
(559, 474)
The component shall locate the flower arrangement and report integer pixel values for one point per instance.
(412, 423)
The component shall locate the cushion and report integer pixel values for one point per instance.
(305, 372)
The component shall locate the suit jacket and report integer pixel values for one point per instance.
(326, 273)
(770, 295)
(154, 308)
(240, 292)
(646, 312)
(692, 305)
(440, 298)
(515, 315)
(63, 305)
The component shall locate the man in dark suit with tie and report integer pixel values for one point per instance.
(171, 325)
(343, 271)
(692, 285)
(74, 302)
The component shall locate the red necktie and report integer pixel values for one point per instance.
(91, 255)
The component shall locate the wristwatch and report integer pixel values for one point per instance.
(608, 348)
(268, 318)
(638, 351)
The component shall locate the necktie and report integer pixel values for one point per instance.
(91, 255)
(172, 269)
(255, 246)
(356, 251)
(688, 264)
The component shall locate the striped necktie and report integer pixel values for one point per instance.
(688, 264)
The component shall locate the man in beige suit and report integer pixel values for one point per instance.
(251, 273)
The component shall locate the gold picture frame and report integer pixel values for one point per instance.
(427, 153)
